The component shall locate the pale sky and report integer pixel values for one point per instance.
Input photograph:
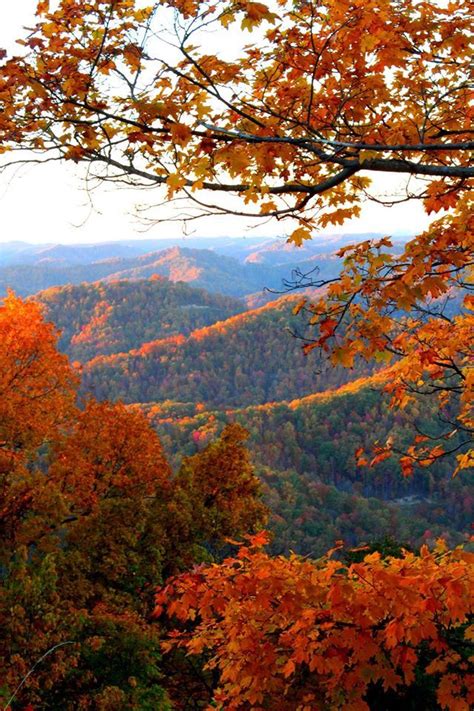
(48, 203)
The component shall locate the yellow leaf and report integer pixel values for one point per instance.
(132, 57)
(176, 181)
(465, 461)
(299, 236)
(342, 356)
(367, 155)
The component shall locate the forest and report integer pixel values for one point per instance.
(212, 495)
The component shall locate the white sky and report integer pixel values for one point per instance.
(47, 203)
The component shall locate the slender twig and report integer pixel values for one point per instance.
(46, 654)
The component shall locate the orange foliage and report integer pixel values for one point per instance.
(37, 384)
(110, 451)
(90, 519)
(388, 307)
(326, 100)
(297, 142)
(295, 634)
(37, 398)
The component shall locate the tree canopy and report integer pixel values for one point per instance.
(295, 124)
(292, 633)
(328, 91)
(91, 519)
(298, 123)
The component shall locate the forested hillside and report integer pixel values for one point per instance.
(304, 423)
(304, 452)
(248, 359)
(210, 269)
(99, 319)
(202, 268)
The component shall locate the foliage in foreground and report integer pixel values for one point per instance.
(296, 634)
(91, 520)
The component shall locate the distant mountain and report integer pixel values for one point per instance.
(60, 255)
(281, 252)
(202, 268)
(119, 316)
(20, 253)
(248, 359)
(229, 265)
(268, 250)
(219, 273)
(29, 279)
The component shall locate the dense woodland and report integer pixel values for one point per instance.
(254, 354)
(99, 319)
(213, 500)
(302, 444)
(94, 518)
(304, 454)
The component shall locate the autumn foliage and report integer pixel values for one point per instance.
(92, 519)
(318, 105)
(298, 125)
(37, 385)
(291, 633)
(397, 308)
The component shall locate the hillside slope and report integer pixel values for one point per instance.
(105, 318)
(304, 454)
(248, 359)
(203, 268)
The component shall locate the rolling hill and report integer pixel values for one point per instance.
(304, 454)
(201, 268)
(100, 319)
(245, 248)
(248, 359)
(235, 267)
(194, 361)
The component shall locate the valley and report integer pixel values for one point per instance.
(194, 360)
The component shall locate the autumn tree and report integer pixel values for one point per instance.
(91, 520)
(37, 397)
(296, 634)
(297, 123)
(86, 526)
(221, 487)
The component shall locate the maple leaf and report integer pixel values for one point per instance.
(299, 235)
(343, 356)
(176, 181)
(180, 133)
(132, 57)
(42, 7)
(324, 616)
